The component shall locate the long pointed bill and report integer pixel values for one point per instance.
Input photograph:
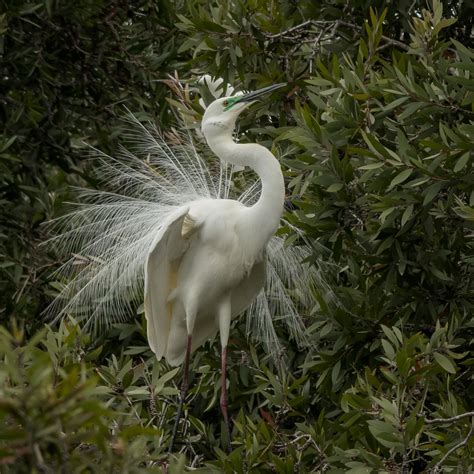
(252, 96)
(255, 95)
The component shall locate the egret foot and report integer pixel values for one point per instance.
(223, 401)
(182, 397)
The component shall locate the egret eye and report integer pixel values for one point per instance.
(225, 103)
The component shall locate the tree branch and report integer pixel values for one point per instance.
(449, 420)
(437, 466)
(293, 29)
(336, 24)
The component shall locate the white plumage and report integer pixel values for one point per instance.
(168, 230)
(198, 269)
(111, 234)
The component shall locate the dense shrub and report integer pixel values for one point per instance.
(376, 137)
(67, 70)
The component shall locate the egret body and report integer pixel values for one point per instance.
(166, 227)
(207, 264)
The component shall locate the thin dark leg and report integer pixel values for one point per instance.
(182, 398)
(224, 404)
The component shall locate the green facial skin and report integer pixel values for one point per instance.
(231, 102)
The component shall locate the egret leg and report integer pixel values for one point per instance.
(183, 394)
(224, 327)
(224, 399)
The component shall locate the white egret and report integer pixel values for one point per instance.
(202, 258)
(207, 263)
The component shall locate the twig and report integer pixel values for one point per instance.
(40, 464)
(22, 289)
(450, 420)
(292, 29)
(316, 48)
(336, 24)
(437, 466)
(394, 42)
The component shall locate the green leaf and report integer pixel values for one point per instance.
(165, 378)
(403, 361)
(431, 192)
(359, 469)
(326, 329)
(443, 23)
(402, 176)
(388, 349)
(440, 274)
(385, 434)
(386, 213)
(389, 375)
(335, 372)
(396, 103)
(136, 391)
(445, 363)
(385, 244)
(335, 187)
(372, 166)
(410, 110)
(8, 143)
(391, 335)
(387, 406)
(407, 213)
(462, 162)
(417, 182)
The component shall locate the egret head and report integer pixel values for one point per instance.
(221, 115)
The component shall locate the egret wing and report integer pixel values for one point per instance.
(161, 269)
(247, 290)
(242, 297)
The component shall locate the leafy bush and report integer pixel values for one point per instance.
(62, 408)
(55, 415)
(68, 69)
(376, 138)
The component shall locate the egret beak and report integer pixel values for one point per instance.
(252, 96)
(255, 95)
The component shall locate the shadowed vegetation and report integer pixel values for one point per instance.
(376, 141)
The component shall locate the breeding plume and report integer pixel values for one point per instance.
(168, 233)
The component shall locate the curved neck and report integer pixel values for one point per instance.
(267, 211)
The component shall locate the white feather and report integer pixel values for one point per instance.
(112, 233)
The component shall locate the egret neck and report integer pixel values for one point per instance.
(264, 216)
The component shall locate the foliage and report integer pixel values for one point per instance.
(64, 407)
(68, 69)
(376, 137)
(52, 414)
